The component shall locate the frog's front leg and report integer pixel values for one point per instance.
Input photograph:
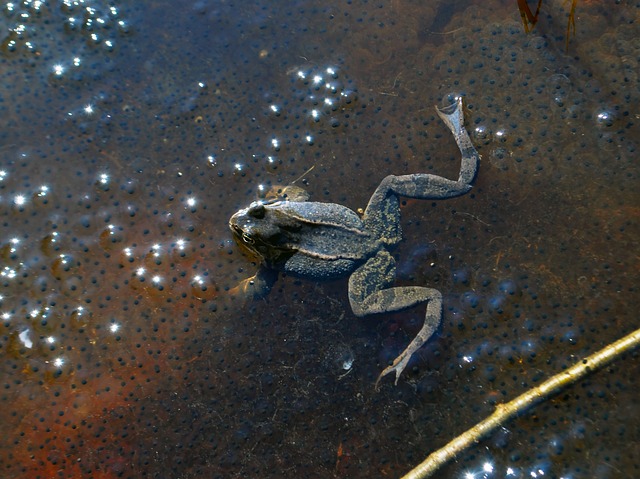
(370, 292)
(257, 286)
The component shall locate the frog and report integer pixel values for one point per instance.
(319, 240)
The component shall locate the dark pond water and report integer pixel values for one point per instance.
(131, 131)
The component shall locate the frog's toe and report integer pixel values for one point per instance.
(398, 366)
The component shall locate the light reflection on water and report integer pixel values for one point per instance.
(122, 161)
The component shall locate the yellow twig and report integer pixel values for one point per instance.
(504, 412)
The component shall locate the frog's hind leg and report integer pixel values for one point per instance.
(453, 117)
(370, 292)
(382, 215)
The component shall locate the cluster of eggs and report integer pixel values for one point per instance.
(98, 22)
(78, 275)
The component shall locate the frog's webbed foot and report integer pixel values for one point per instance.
(453, 117)
(415, 295)
(370, 292)
(398, 366)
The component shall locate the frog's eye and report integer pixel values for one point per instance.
(256, 210)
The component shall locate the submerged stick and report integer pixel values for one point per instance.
(506, 411)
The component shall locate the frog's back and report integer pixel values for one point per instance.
(329, 231)
(324, 214)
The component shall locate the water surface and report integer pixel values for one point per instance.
(132, 131)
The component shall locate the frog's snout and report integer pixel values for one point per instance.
(241, 226)
(235, 228)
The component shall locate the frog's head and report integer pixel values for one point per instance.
(263, 231)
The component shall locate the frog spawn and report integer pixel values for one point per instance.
(320, 101)
(494, 339)
(76, 296)
(27, 23)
